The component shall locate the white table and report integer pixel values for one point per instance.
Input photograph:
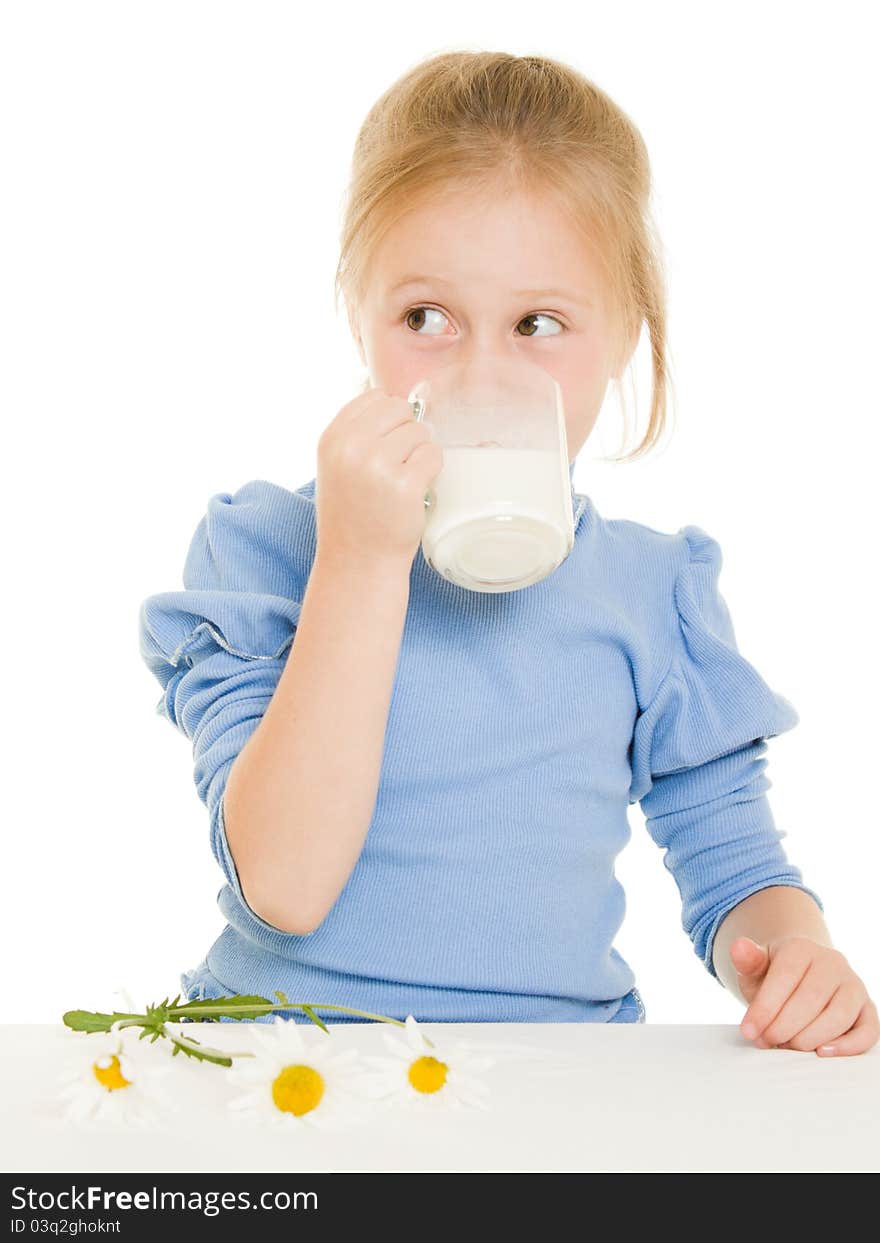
(630, 1097)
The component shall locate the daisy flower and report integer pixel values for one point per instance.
(442, 1076)
(110, 1077)
(296, 1079)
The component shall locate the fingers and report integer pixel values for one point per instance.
(385, 417)
(426, 460)
(826, 1022)
(404, 439)
(782, 979)
(863, 1035)
(809, 1000)
(386, 412)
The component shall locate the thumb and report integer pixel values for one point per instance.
(748, 957)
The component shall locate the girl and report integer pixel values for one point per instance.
(417, 792)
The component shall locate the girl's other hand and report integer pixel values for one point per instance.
(805, 996)
(375, 464)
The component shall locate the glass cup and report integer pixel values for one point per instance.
(499, 514)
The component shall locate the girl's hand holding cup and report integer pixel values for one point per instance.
(375, 464)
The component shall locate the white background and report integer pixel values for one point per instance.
(173, 177)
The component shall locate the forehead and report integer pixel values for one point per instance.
(518, 240)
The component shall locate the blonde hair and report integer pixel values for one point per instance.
(471, 120)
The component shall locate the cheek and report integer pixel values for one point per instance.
(395, 367)
(581, 372)
(582, 376)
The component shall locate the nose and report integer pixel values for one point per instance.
(488, 351)
(474, 356)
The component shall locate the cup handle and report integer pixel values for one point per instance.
(418, 409)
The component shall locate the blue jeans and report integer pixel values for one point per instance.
(632, 1008)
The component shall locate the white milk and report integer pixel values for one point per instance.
(500, 518)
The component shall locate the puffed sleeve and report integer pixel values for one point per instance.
(699, 757)
(218, 648)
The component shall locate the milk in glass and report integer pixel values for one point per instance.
(498, 516)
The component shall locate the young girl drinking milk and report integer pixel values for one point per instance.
(416, 791)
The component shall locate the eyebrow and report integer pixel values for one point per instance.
(568, 295)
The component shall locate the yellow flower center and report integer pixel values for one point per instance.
(298, 1089)
(426, 1074)
(110, 1076)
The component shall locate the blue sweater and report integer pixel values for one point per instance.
(521, 727)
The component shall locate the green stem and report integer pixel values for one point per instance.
(292, 1005)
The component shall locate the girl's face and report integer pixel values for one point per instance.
(502, 277)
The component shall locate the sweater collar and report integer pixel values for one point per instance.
(574, 500)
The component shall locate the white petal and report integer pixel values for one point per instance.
(348, 1057)
(476, 1065)
(127, 1067)
(397, 1047)
(415, 1037)
(380, 1060)
(471, 1089)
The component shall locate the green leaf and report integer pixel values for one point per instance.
(95, 1021)
(211, 1009)
(192, 1048)
(310, 1012)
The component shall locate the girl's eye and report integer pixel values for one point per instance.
(419, 315)
(550, 320)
